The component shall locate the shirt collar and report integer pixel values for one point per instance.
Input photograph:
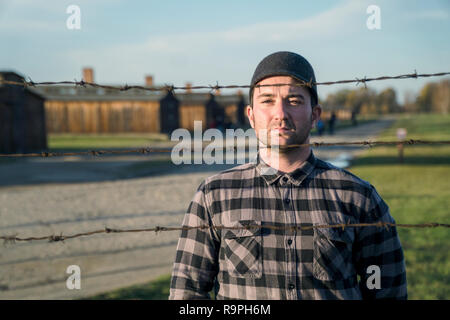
(271, 175)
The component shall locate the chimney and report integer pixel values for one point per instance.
(88, 75)
(149, 81)
(188, 87)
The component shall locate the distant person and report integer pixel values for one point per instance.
(285, 187)
(320, 127)
(227, 123)
(354, 121)
(220, 123)
(332, 123)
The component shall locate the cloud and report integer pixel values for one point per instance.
(335, 23)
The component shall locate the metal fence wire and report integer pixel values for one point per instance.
(170, 87)
(227, 148)
(61, 237)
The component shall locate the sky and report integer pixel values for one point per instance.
(208, 42)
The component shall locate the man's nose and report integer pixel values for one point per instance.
(280, 109)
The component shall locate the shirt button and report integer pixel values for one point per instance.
(291, 286)
(287, 200)
(289, 241)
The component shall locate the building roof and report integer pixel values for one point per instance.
(14, 76)
(71, 93)
(192, 98)
(230, 99)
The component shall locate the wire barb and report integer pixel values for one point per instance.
(9, 239)
(54, 238)
(82, 83)
(364, 80)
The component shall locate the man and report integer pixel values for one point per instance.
(263, 262)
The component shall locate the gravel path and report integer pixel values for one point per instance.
(36, 206)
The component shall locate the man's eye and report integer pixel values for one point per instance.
(295, 102)
(267, 101)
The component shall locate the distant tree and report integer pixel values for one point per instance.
(409, 102)
(440, 101)
(336, 100)
(434, 97)
(424, 98)
(387, 101)
(357, 98)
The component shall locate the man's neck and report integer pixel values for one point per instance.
(285, 161)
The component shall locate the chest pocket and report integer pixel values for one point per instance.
(243, 250)
(332, 258)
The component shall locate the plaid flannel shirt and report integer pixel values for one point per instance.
(263, 263)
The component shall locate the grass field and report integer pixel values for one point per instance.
(57, 142)
(155, 290)
(416, 191)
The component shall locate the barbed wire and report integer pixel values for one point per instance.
(61, 237)
(171, 88)
(234, 147)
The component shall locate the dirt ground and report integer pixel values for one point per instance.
(70, 195)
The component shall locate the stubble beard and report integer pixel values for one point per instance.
(298, 138)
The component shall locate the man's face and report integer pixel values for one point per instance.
(282, 111)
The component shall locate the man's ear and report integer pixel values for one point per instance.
(316, 112)
(250, 116)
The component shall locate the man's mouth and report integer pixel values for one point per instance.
(282, 129)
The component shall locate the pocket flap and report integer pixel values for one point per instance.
(335, 234)
(243, 228)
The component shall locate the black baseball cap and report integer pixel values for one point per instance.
(285, 63)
